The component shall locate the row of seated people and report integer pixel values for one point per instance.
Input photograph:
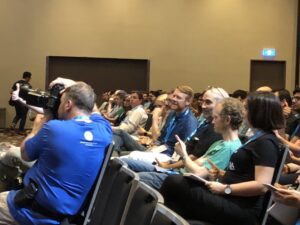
(241, 169)
(222, 118)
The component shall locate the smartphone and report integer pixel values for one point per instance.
(270, 187)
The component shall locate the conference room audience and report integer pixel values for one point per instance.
(228, 115)
(238, 195)
(118, 107)
(136, 117)
(198, 143)
(181, 122)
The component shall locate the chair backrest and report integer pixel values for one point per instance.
(87, 206)
(118, 184)
(165, 216)
(99, 181)
(140, 208)
(268, 199)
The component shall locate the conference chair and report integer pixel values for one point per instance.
(117, 187)
(165, 216)
(141, 207)
(278, 169)
(87, 206)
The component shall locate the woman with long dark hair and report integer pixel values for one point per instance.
(239, 194)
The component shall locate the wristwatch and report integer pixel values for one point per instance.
(227, 190)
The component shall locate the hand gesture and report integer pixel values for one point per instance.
(215, 172)
(287, 111)
(180, 147)
(63, 81)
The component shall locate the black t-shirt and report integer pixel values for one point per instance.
(263, 151)
(291, 125)
(202, 140)
(21, 82)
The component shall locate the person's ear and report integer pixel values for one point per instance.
(227, 120)
(188, 102)
(68, 105)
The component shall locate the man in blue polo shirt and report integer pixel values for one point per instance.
(181, 121)
(69, 153)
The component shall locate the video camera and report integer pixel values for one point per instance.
(47, 100)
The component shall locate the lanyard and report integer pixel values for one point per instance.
(201, 125)
(82, 118)
(173, 123)
(295, 131)
(257, 135)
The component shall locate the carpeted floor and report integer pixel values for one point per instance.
(11, 137)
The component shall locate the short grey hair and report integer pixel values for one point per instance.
(219, 93)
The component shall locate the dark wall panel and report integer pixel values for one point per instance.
(101, 73)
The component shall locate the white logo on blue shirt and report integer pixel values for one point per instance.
(88, 136)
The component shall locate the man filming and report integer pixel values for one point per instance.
(69, 153)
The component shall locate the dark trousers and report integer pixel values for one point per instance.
(193, 201)
(21, 114)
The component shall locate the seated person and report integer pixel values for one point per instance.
(158, 119)
(148, 138)
(238, 196)
(118, 109)
(228, 115)
(135, 118)
(181, 122)
(57, 184)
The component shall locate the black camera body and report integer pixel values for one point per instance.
(47, 100)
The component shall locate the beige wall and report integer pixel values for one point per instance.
(196, 42)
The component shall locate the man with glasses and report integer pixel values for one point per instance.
(293, 130)
(196, 145)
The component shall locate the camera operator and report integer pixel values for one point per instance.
(69, 153)
(21, 110)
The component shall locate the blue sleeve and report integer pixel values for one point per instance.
(34, 145)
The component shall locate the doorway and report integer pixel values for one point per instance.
(267, 73)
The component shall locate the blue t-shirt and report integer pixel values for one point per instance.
(183, 125)
(69, 154)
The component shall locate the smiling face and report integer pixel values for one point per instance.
(208, 104)
(179, 101)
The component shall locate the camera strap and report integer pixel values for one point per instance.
(33, 205)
